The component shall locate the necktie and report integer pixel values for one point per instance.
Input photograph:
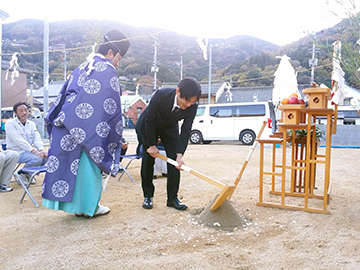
(175, 110)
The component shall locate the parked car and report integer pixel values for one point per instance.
(231, 121)
(6, 114)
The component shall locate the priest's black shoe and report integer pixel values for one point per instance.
(148, 203)
(176, 204)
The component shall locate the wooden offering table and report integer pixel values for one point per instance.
(281, 178)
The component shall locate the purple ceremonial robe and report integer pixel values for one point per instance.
(86, 116)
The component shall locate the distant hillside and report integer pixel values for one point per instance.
(26, 37)
(259, 70)
(347, 31)
(245, 60)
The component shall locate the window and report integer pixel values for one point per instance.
(346, 102)
(200, 111)
(238, 111)
(7, 114)
(221, 111)
(252, 110)
(138, 112)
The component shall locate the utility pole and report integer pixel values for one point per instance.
(3, 17)
(46, 66)
(154, 67)
(181, 68)
(64, 62)
(210, 57)
(180, 64)
(313, 61)
(31, 91)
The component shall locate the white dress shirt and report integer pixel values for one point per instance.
(21, 138)
(175, 105)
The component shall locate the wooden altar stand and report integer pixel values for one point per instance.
(290, 175)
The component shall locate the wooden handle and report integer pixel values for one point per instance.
(249, 155)
(226, 190)
(237, 180)
(196, 173)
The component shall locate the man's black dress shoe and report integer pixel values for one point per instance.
(148, 203)
(176, 204)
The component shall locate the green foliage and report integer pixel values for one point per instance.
(348, 32)
(248, 61)
(301, 134)
(135, 68)
(254, 73)
(263, 60)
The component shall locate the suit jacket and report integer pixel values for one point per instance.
(157, 118)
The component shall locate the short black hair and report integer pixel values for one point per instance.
(189, 87)
(16, 105)
(104, 48)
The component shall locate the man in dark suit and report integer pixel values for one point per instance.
(160, 120)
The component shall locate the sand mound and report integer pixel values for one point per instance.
(225, 217)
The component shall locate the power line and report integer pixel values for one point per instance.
(87, 46)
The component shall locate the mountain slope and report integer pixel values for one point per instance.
(26, 37)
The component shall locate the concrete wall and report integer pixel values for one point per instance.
(346, 135)
(12, 93)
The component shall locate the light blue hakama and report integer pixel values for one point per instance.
(87, 192)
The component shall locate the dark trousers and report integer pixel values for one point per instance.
(123, 153)
(147, 167)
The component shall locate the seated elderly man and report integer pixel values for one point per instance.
(23, 137)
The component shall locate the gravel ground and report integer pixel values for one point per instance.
(130, 237)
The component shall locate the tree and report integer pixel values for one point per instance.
(348, 32)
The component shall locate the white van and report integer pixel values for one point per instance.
(232, 121)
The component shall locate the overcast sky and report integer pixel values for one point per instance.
(277, 21)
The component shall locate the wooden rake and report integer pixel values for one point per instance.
(225, 192)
